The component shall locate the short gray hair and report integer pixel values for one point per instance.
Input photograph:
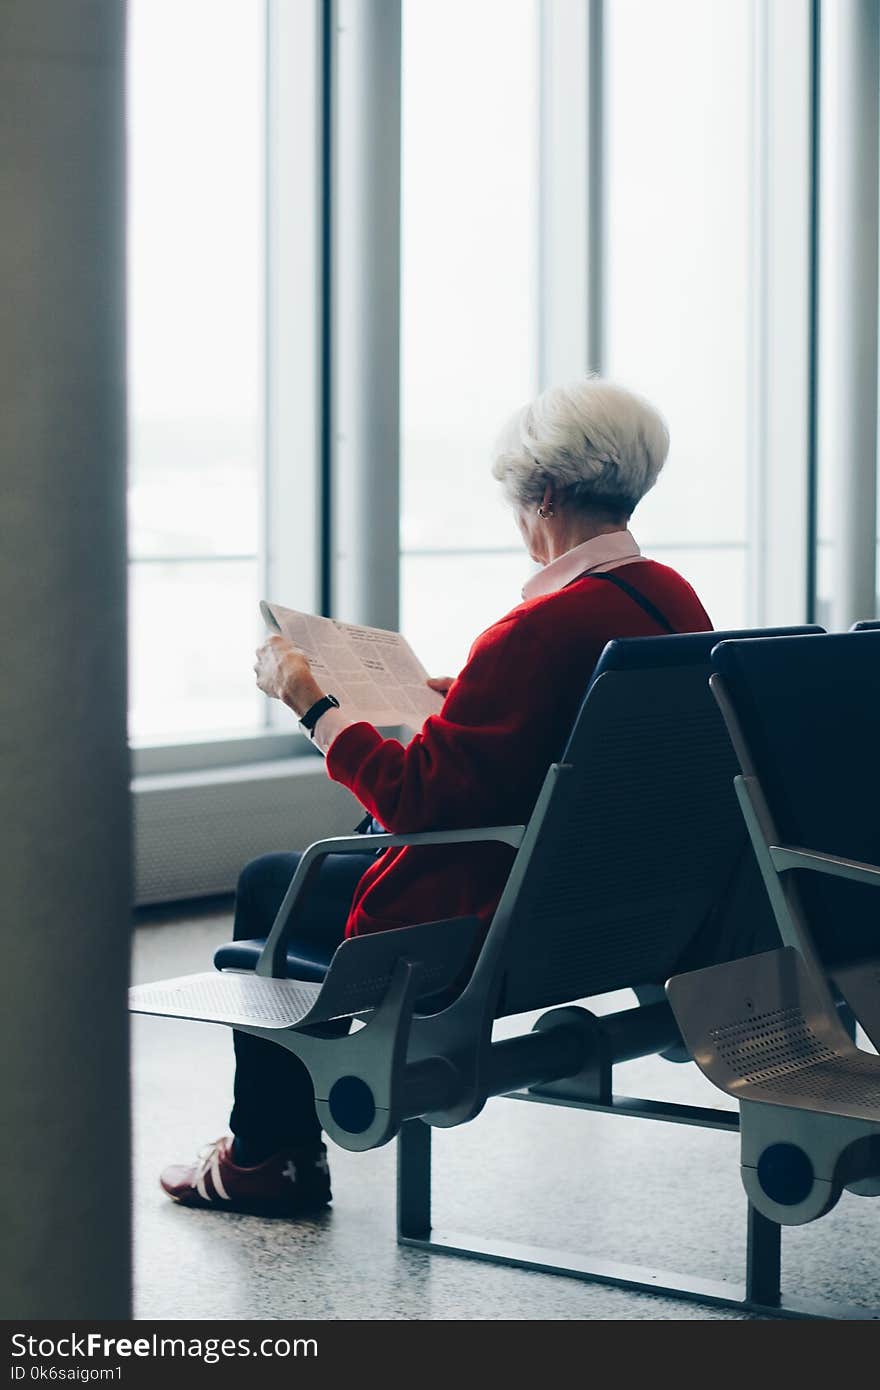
(597, 443)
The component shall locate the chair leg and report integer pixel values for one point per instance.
(414, 1180)
(763, 1260)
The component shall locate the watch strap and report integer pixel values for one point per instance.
(314, 712)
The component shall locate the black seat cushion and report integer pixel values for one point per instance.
(309, 962)
(305, 961)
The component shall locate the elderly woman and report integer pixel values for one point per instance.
(573, 465)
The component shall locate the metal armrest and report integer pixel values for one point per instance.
(273, 955)
(790, 857)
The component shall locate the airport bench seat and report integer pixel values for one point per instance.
(605, 892)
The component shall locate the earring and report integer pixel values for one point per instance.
(546, 512)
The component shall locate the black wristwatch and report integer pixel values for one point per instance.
(314, 712)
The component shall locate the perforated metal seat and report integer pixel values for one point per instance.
(809, 1098)
(357, 980)
(226, 997)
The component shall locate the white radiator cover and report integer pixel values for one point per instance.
(195, 831)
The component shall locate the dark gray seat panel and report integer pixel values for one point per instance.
(622, 882)
(810, 715)
(643, 862)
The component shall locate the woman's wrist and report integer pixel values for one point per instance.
(301, 693)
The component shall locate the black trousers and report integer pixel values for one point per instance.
(274, 1099)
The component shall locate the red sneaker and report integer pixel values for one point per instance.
(291, 1183)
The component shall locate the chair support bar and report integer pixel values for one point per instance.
(606, 1040)
(571, 1048)
(570, 1051)
(534, 1059)
(639, 1032)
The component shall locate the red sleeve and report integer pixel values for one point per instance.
(481, 760)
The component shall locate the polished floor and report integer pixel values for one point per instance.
(628, 1190)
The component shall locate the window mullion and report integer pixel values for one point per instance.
(292, 484)
(568, 252)
(781, 312)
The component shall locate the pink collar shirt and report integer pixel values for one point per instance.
(601, 553)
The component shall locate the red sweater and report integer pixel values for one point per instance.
(483, 758)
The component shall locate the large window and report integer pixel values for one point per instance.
(629, 196)
(196, 158)
(469, 296)
(677, 321)
(678, 212)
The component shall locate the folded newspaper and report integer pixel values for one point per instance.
(374, 674)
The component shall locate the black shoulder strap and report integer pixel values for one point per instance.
(637, 597)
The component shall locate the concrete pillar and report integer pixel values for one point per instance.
(64, 795)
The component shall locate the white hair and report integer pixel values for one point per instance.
(598, 443)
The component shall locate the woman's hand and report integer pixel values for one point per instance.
(285, 674)
(440, 683)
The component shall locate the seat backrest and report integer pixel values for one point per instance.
(869, 625)
(642, 860)
(809, 713)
